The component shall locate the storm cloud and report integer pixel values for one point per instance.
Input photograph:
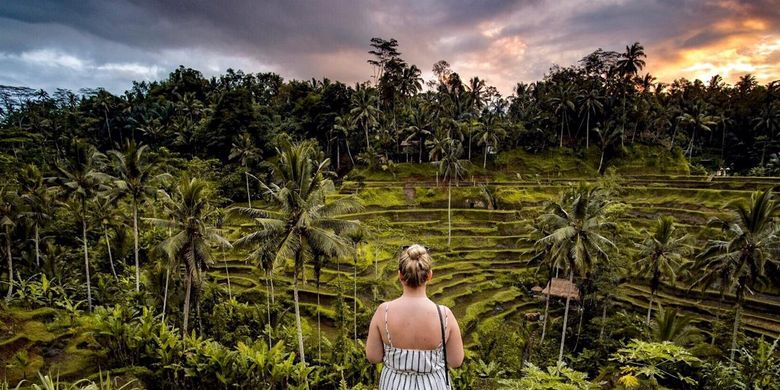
(89, 43)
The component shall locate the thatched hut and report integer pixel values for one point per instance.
(562, 288)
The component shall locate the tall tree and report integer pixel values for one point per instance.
(245, 151)
(136, 178)
(105, 212)
(418, 129)
(591, 103)
(38, 203)
(661, 255)
(451, 168)
(364, 111)
(301, 222)
(79, 182)
(697, 119)
(8, 219)
(490, 135)
(576, 239)
(190, 209)
(628, 66)
(562, 103)
(739, 260)
(767, 121)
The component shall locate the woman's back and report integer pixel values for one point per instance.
(413, 323)
(406, 333)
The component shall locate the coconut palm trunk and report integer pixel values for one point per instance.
(10, 262)
(449, 212)
(354, 294)
(86, 260)
(37, 247)
(298, 326)
(547, 305)
(349, 152)
(587, 131)
(187, 295)
(419, 157)
(135, 246)
(268, 308)
(248, 197)
(737, 315)
(561, 138)
(601, 160)
(565, 319)
(603, 318)
(227, 273)
(108, 249)
(271, 282)
(319, 324)
(165, 293)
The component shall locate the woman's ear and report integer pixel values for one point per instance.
(430, 275)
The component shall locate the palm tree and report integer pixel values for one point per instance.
(628, 66)
(490, 135)
(576, 241)
(136, 177)
(38, 202)
(317, 261)
(343, 126)
(356, 236)
(104, 210)
(451, 168)
(418, 129)
(590, 102)
(364, 111)
(552, 264)
(8, 217)
(264, 258)
(739, 261)
(476, 94)
(697, 119)
(670, 326)
(563, 102)
(245, 151)
(80, 182)
(608, 138)
(189, 210)
(301, 223)
(661, 255)
(410, 82)
(768, 120)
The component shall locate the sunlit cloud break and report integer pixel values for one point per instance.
(53, 44)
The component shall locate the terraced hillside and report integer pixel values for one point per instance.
(486, 272)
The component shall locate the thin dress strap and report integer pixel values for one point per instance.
(445, 320)
(387, 330)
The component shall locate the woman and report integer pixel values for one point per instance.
(406, 333)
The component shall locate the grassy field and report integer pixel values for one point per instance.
(480, 273)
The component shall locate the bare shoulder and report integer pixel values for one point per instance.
(446, 311)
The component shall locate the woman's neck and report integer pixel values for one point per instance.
(414, 292)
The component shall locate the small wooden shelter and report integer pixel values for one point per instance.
(562, 288)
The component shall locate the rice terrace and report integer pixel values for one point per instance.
(589, 225)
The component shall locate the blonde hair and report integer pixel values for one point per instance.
(414, 265)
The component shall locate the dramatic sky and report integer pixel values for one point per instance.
(109, 43)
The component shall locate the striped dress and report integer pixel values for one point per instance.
(412, 369)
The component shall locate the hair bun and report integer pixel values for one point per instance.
(414, 265)
(416, 252)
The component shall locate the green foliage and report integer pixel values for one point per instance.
(653, 363)
(557, 377)
(231, 322)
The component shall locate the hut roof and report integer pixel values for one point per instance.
(562, 288)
